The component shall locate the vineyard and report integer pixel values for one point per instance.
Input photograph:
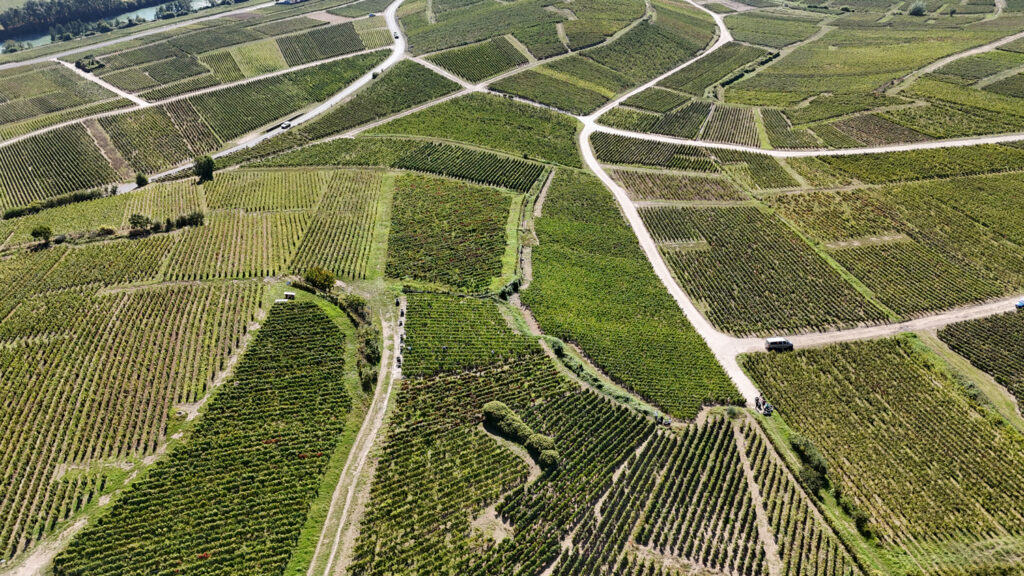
(340, 235)
(752, 274)
(134, 354)
(732, 125)
(473, 165)
(475, 63)
(593, 286)
(447, 232)
(236, 110)
(994, 345)
(550, 90)
(236, 245)
(649, 185)
(148, 139)
(110, 263)
(704, 73)
(31, 93)
(919, 246)
(50, 164)
(447, 334)
(404, 86)
(496, 123)
(622, 150)
(266, 190)
(906, 445)
(320, 44)
(252, 465)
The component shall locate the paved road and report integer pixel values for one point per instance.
(817, 152)
(397, 54)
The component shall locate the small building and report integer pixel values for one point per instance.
(289, 295)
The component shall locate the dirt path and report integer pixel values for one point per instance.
(106, 85)
(348, 501)
(42, 555)
(107, 148)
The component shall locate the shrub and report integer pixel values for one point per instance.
(42, 233)
(812, 479)
(918, 9)
(506, 423)
(548, 459)
(138, 222)
(539, 443)
(320, 278)
(141, 180)
(810, 454)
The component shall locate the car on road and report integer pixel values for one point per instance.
(396, 35)
(1020, 304)
(778, 345)
(285, 125)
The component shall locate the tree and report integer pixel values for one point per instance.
(320, 278)
(204, 168)
(918, 9)
(42, 233)
(138, 222)
(141, 180)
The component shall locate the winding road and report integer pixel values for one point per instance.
(726, 347)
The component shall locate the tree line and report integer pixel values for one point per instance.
(41, 15)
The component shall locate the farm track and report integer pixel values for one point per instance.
(101, 82)
(346, 502)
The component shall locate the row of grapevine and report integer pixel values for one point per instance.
(252, 466)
